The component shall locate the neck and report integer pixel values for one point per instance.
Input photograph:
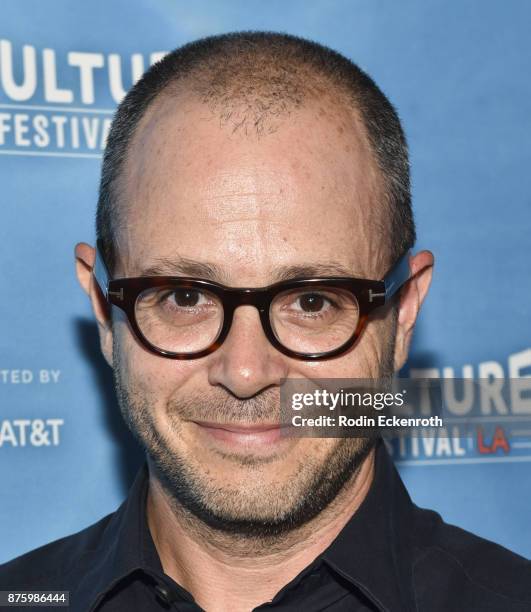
(229, 572)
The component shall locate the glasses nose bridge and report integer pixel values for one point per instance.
(249, 297)
(259, 298)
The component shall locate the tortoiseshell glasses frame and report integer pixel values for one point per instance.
(367, 295)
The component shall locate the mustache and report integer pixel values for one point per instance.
(222, 407)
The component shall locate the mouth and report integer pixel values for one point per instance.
(246, 437)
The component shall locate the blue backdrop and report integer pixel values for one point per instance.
(458, 72)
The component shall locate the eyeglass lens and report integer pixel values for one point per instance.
(314, 319)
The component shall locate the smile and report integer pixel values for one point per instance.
(260, 437)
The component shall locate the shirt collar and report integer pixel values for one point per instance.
(126, 546)
(372, 551)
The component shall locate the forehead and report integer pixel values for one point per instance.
(305, 190)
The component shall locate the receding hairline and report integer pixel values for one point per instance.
(226, 68)
(332, 103)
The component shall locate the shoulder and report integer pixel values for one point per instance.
(481, 574)
(48, 565)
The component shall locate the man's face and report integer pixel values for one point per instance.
(196, 190)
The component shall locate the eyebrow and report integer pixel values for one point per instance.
(182, 266)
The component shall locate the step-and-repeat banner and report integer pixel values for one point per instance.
(458, 72)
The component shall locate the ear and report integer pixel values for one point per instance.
(411, 297)
(85, 257)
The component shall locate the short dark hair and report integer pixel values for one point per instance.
(266, 73)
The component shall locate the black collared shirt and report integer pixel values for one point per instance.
(391, 556)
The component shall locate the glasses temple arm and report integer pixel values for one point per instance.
(100, 271)
(397, 276)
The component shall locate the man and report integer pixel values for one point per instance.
(238, 163)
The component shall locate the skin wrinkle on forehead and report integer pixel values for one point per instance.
(142, 182)
(181, 266)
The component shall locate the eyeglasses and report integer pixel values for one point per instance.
(304, 318)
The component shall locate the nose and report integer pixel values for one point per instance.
(246, 363)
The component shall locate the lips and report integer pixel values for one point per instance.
(245, 429)
(262, 437)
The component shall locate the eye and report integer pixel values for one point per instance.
(183, 300)
(311, 302)
(187, 298)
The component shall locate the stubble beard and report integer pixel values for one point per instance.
(262, 513)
